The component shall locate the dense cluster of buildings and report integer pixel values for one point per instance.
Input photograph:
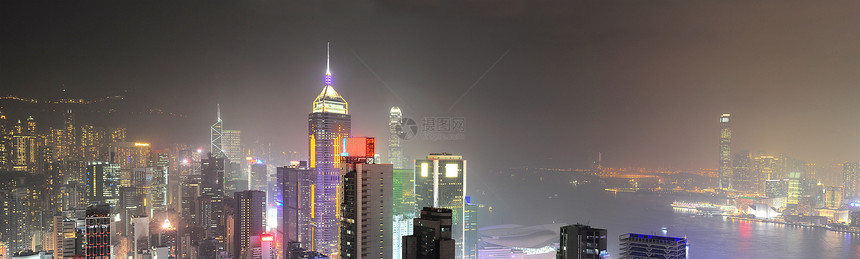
(779, 186)
(85, 191)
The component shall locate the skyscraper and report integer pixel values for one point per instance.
(365, 228)
(216, 137)
(581, 242)
(231, 143)
(250, 220)
(403, 194)
(431, 238)
(328, 126)
(440, 182)
(746, 178)
(470, 229)
(258, 179)
(102, 182)
(725, 152)
(395, 152)
(298, 186)
(851, 178)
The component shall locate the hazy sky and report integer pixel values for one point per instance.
(644, 82)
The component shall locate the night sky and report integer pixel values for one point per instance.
(643, 82)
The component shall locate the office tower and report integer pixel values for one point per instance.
(581, 242)
(250, 220)
(328, 126)
(213, 218)
(140, 239)
(851, 178)
(725, 170)
(470, 229)
(130, 155)
(440, 182)
(298, 184)
(431, 238)
(365, 227)
(98, 232)
(833, 197)
(745, 178)
(403, 195)
(651, 246)
(258, 179)
(395, 152)
(159, 181)
(793, 195)
(102, 182)
(216, 137)
(213, 176)
(231, 143)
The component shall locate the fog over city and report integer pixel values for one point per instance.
(622, 97)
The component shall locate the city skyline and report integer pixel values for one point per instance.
(599, 127)
(584, 125)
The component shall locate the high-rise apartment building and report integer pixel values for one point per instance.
(365, 209)
(440, 182)
(431, 238)
(725, 170)
(328, 126)
(250, 220)
(581, 242)
(651, 246)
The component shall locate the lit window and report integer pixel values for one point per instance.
(451, 170)
(425, 170)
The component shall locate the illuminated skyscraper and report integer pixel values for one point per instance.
(470, 229)
(395, 152)
(440, 182)
(404, 207)
(298, 184)
(746, 178)
(250, 220)
(216, 137)
(851, 178)
(328, 126)
(725, 152)
(102, 182)
(231, 143)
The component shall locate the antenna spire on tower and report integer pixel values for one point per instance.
(328, 63)
(219, 112)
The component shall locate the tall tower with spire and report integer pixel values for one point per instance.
(328, 128)
(215, 138)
